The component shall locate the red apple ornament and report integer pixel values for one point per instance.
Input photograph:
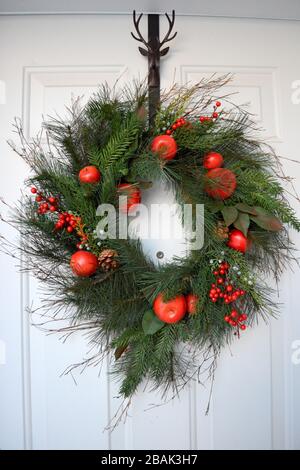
(238, 241)
(89, 174)
(171, 311)
(212, 160)
(191, 303)
(133, 195)
(220, 183)
(84, 263)
(165, 146)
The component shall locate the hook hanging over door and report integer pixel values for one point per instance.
(154, 50)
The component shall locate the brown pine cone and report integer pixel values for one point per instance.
(107, 260)
(222, 231)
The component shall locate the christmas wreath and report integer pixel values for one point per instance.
(156, 318)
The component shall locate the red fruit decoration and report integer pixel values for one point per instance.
(238, 241)
(89, 174)
(213, 160)
(171, 311)
(133, 196)
(220, 184)
(191, 303)
(84, 263)
(165, 146)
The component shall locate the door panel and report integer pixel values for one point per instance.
(42, 408)
(47, 60)
(253, 396)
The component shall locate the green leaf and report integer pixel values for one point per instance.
(150, 323)
(246, 208)
(214, 207)
(242, 223)
(267, 222)
(230, 214)
(262, 211)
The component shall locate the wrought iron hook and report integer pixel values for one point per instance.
(153, 50)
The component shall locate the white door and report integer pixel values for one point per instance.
(43, 61)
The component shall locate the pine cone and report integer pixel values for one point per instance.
(222, 231)
(107, 260)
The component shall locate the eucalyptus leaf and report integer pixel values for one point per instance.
(267, 222)
(150, 323)
(261, 211)
(242, 223)
(230, 214)
(246, 208)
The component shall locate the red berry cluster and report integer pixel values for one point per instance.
(73, 222)
(66, 221)
(222, 289)
(236, 320)
(178, 123)
(46, 204)
(214, 115)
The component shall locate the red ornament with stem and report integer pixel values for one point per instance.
(165, 146)
(170, 311)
